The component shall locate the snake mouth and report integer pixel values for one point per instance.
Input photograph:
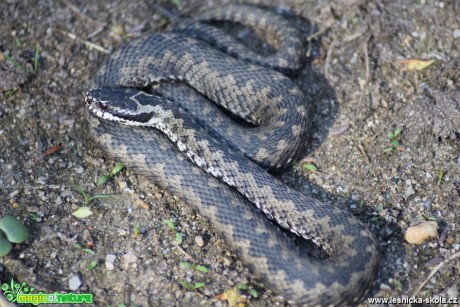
(96, 107)
(92, 103)
(100, 108)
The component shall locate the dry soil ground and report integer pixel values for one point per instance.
(360, 86)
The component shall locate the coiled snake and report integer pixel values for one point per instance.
(160, 86)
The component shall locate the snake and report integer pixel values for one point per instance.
(200, 115)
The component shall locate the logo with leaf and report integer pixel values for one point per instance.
(11, 290)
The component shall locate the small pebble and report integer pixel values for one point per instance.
(385, 287)
(118, 30)
(66, 193)
(227, 261)
(127, 260)
(409, 191)
(457, 33)
(14, 193)
(420, 233)
(450, 240)
(74, 282)
(199, 241)
(122, 184)
(109, 260)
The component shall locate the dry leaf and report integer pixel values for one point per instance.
(82, 212)
(53, 149)
(414, 64)
(233, 298)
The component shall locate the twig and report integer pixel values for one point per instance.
(364, 153)
(366, 61)
(87, 43)
(316, 34)
(187, 256)
(354, 36)
(366, 84)
(341, 130)
(435, 270)
(311, 37)
(328, 59)
(79, 14)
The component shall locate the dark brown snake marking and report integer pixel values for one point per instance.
(153, 81)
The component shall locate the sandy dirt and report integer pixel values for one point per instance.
(358, 80)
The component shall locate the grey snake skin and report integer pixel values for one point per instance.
(160, 85)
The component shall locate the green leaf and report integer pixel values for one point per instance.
(88, 251)
(440, 175)
(202, 269)
(82, 212)
(199, 285)
(186, 284)
(102, 179)
(310, 167)
(14, 230)
(136, 229)
(5, 246)
(254, 293)
(13, 60)
(11, 92)
(80, 190)
(170, 224)
(76, 245)
(92, 265)
(185, 264)
(391, 135)
(388, 149)
(243, 287)
(178, 237)
(395, 143)
(397, 131)
(117, 168)
(177, 3)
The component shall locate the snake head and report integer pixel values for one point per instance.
(121, 104)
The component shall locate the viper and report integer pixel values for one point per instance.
(199, 115)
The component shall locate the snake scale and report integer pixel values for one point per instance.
(160, 87)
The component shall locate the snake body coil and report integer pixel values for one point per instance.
(163, 83)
